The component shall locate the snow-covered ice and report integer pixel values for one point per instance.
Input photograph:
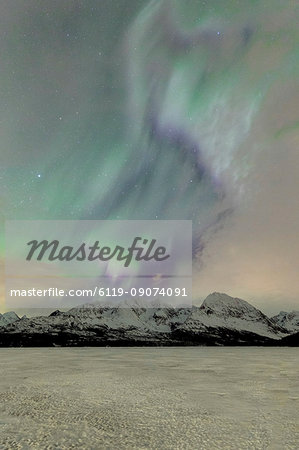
(135, 398)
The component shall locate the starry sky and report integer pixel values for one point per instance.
(138, 109)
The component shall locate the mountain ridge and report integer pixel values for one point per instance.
(220, 320)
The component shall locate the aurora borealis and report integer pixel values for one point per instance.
(135, 109)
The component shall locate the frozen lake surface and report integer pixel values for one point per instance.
(149, 398)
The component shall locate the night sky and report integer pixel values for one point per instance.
(133, 109)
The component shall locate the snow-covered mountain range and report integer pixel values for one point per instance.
(220, 320)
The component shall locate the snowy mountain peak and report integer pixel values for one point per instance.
(235, 313)
(224, 304)
(7, 318)
(287, 320)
